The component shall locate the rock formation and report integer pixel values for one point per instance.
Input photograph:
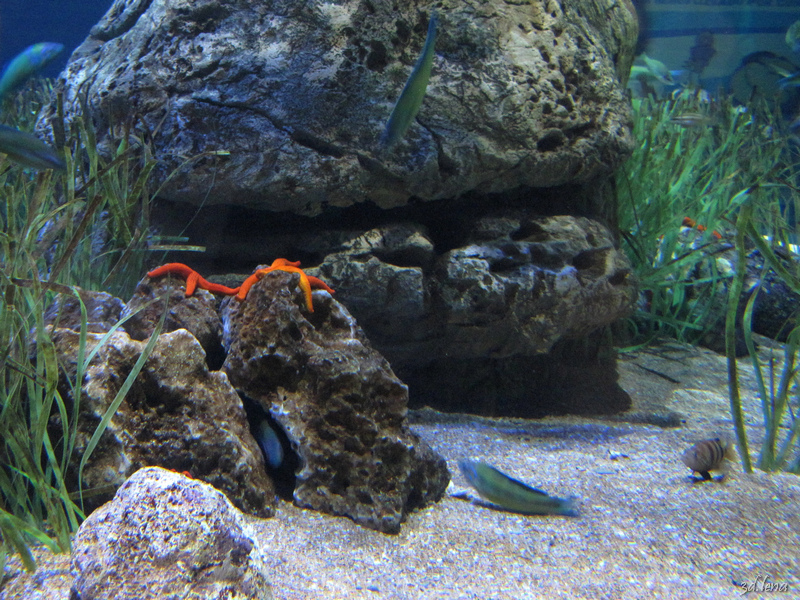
(176, 415)
(522, 94)
(479, 251)
(337, 399)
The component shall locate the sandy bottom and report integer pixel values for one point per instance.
(644, 530)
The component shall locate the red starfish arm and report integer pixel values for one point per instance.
(282, 262)
(171, 269)
(191, 283)
(215, 288)
(192, 277)
(318, 284)
(305, 285)
(248, 283)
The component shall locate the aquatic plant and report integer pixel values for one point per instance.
(780, 400)
(733, 172)
(702, 172)
(86, 226)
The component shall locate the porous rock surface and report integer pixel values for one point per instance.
(338, 401)
(177, 415)
(515, 286)
(197, 314)
(165, 535)
(522, 95)
(493, 318)
(102, 311)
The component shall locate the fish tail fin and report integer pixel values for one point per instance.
(568, 507)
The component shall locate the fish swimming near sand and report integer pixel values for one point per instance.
(707, 455)
(28, 150)
(410, 99)
(511, 494)
(28, 62)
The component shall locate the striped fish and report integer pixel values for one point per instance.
(707, 455)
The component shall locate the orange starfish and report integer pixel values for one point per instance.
(307, 282)
(193, 279)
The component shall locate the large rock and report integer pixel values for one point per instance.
(522, 94)
(515, 286)
(167, 536)
(176, 415)
(500, 324)
(337, 400)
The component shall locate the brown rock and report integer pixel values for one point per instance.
(338, 401)
(176, 415)
(197, 314)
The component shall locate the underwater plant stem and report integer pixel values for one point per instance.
(734, 292)
(780, 403)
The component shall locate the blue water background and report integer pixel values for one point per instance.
(64, 21)
(739, 27)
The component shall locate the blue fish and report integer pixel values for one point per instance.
(26, 63)
(270, 444)
(511, 494)
(410, 99)
(28, 150)
(792, 80)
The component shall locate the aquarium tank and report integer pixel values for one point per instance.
(429, 300)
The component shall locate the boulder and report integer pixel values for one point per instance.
(523, 94)
(177, 415)
(337, 400)
(501, 324)
(165, 535)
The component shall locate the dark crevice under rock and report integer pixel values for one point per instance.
(228, 231)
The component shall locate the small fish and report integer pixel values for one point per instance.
(28, 150)
(410, 99)
(270, 444)
(658, 70)
(706, 456)
(510, 494)
(691, 120)
(781, 70)
(26, 63)
(792, 80)
(692, 224)
(793, 36)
